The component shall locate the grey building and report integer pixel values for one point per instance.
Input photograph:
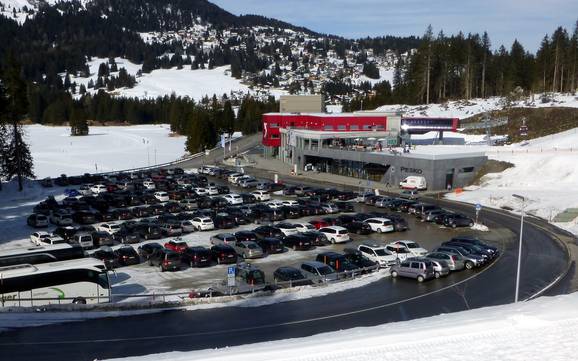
(366, 156)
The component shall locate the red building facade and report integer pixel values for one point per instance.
(273, 122)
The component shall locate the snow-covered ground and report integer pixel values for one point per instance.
(467, 108)
(194, 84)
(544, 172)
(543, 329)
(105, 149)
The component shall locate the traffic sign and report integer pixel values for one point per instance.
(478, 207)
(231, 276)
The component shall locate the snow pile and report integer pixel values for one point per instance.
(544, 172)
(467, 108)
(105, 149)
(537, 330)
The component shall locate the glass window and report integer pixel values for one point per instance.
(341, 127)
(354, 127)
(273, 125)
(328, 127)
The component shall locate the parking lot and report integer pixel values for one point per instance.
(144, 279)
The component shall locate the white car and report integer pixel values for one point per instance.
(379, 254)
(150, 185)
(287, 229)
(335, 234)
(413, 247)
(61, 219)
(38, 237)
(85, 189)
(401, 251)
(212, 190)
(304, 227)
(329, 208)
(261, 196)
(98, 188)
(187, 226)
(380, 225)
(233, 198)
(110, 228)
(233, 178)
(201, 191)
(203, 223)
(290, 202)
(275, 204)
(162, 196)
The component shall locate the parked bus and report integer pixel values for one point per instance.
(40, 254)
(78, 281)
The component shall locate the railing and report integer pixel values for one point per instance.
(217, 294)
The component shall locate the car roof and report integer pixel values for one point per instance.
(315, 264)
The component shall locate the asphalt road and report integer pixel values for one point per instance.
(384, 301)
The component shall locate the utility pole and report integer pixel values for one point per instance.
(523, 199)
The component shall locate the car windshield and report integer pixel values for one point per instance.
(252, 246)
(381, 252)
(325, 270)
(412, 245)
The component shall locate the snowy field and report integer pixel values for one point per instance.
(543, 329)
(105, 149)
(194, 84)
(467, 108)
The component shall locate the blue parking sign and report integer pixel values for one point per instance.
(231, 270)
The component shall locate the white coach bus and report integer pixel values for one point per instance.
(78, 281)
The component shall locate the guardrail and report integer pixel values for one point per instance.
(217, 294)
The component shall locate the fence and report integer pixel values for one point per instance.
(217, 294)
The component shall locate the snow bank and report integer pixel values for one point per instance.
(105, 149)
(537, 330)
(468, 108)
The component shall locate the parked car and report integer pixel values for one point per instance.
(45, 238)
(399, 250)
(268, 231)
(102, 239)
(316, 238)
(287, 229)
(223, 254)
(127, 256)
(380, 225)
(318, 223)
(223, 238)
(335, 234)
(421, 270)
(162, 196)
(441, 269)
(197, 256)
(176, 246)
(165, 259)
(110, 228)
(457, 220)
(337, 261)
(248, 249)
(379, 253)
(261, 196)
(37, 220)
(304, 226)
(98, 189)
(246, 236)
(224, 221)
(271, 245)
(413, 248)
(358, 259)
(146, 250)
(107, 256)
(126, 236)
(454, 261)
(409, 194)
(318, 272)
(298, 242)
(203, 223)
(471, 240)
(233, 198)
(290, 277)
(471, 260)
(61, 218)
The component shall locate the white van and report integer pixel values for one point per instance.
(413, 182)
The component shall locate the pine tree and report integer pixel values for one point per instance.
(228, 117)
(17, 158)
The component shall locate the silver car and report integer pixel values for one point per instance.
(248, 249)
(420, 270)
(455, 262)
(318, 272)
(441, 268)
(471, 260)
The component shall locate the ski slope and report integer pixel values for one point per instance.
(543, 329)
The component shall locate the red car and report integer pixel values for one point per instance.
(177, 246)
(319, 223)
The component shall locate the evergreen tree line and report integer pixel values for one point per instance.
(463, 67)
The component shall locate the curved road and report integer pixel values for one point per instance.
(383, 301)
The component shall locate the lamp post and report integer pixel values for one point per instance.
(523, 199)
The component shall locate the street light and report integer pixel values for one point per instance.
(523, 199)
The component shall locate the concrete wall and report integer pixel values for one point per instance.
(301, 104)
(457, 170)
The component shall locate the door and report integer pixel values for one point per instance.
(450, 179)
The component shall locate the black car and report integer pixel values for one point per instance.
(102, 239)
(298, 242)
(336, 261)
(156, 209)
(457, 220)
(291, 212)
(165, 259)
(271, 245)
(126, 256)
(141, 212)
(223, 189)
(472, 248)
(66, 233)
(146, 250)
(105, 216)
(149, 231)
(126, 236)
(122, 214)
(245, 236)
(290, 277)
(239, 216)
(172, 207)
(108, 256)
(357, 258)
(268, 231)
(316, 238)
(344, 207)
(197, 256)
(224, 221)
(267, 215)
(358, 227)
(471, 240)
(223, 254)
(248, 198)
